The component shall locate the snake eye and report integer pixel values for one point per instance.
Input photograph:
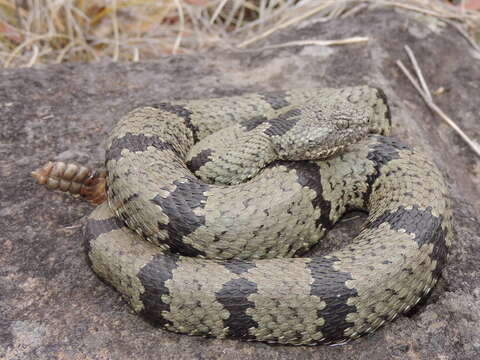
(343, 123)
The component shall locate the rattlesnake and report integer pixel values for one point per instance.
(221, 255)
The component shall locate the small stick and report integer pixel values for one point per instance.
(181, 24)
(218, 10)
(287, 23)
(352, 40)
(428, 100)
(418, 71)
(34, 57)
(116, 43)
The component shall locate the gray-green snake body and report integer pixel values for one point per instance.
(219, 256)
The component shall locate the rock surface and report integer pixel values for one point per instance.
(51, 304)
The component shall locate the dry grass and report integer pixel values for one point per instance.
(422, 88)
(53, 31)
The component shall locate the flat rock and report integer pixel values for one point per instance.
(52, 306)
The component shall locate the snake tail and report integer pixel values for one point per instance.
(74, 179)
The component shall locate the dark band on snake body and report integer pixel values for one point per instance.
(153, 278)
(135, 143)
(308, 175)
(96, 228)
(277, 99)
(180, 224)
(234, 298)
(196, 162)
(381, 95)
(182, 112)
(253, 122)
(283, 123)
(337, 308)
(238, 267)
(386, 150)
(418, 222)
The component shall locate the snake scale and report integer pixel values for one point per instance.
(212, 203)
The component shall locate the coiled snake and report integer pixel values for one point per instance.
(220, 256)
